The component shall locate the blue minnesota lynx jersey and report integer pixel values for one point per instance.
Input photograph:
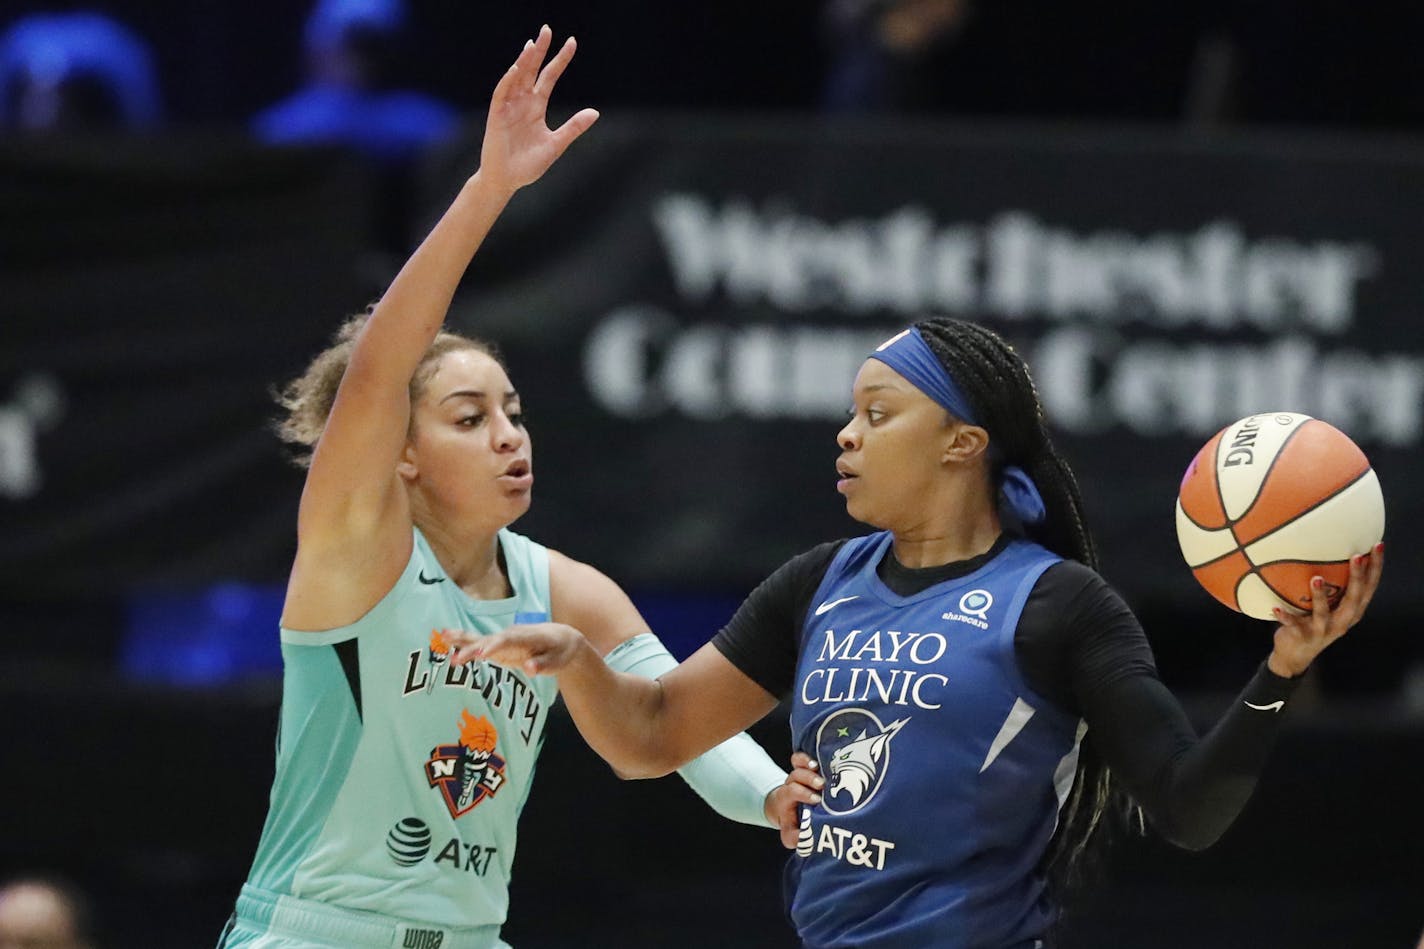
(944, 771)
(400, 777)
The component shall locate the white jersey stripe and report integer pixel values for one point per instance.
(1018, 717)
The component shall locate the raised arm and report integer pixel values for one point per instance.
(354, 514)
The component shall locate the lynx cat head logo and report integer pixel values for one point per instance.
(853, 748)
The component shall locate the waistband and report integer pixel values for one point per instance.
(289, 916)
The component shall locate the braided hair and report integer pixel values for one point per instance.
(997, 383)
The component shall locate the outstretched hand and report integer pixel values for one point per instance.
(536, 648)
(1301, 638)
(783, 805)
(519, 146)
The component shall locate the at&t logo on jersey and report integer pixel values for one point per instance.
(468, 772)
(973, 609)
(409, 842)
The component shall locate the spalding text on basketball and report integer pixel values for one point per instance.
(1240, 452)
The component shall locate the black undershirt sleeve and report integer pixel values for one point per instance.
(762, 638)
(1080, 647)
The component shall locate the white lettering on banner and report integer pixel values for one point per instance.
(37, 406)
(639, 363)
(1090, 381)
(1013, 266)
(800, 263)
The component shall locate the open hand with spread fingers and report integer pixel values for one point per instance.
(536, 648)
(519, 146)
(1301, 638)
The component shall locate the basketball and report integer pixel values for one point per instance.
(1272, 501)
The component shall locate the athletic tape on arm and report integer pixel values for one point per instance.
(735, 777)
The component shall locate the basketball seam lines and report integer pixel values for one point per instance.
(1261, 485)
(1299, 514)
(1216, 477)
(1187, 514)
(1241, 548)
(1238, 549)
(1255, 571)
(1279, 595)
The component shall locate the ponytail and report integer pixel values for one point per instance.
(998, 384)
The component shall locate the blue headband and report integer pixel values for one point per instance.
(909, 355)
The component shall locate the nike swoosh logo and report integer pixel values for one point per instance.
(832, 604)
(1273, 707)
(426, 580)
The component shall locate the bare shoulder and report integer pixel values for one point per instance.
(589, 600)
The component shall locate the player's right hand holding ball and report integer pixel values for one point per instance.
(1301, 638)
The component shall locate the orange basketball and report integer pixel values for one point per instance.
(1271, 501)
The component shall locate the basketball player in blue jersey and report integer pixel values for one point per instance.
(401, 773)
(961, 681)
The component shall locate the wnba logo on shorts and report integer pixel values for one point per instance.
(423, 939)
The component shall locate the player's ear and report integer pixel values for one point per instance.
(407, 467)
(963, 443)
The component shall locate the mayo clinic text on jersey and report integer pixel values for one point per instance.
(871, 677)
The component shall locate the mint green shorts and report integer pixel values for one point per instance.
(270, 921)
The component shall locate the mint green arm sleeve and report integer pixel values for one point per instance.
(735, 777)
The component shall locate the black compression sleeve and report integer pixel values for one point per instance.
(1076, 636)
(762, 638)
(1080, 646)
(1190, 788)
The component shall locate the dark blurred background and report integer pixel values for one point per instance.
(1183, 214)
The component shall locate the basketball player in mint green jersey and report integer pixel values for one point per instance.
(401, 774)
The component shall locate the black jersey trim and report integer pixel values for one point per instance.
(349, 655)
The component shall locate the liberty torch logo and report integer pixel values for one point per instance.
(470, 771)
(440, 650)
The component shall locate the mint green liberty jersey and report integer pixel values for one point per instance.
(399, 777)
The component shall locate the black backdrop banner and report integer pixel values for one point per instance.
(684, 304)
(151, 294)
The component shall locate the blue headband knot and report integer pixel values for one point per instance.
(909, 355)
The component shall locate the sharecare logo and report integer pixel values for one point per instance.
(973, 609)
